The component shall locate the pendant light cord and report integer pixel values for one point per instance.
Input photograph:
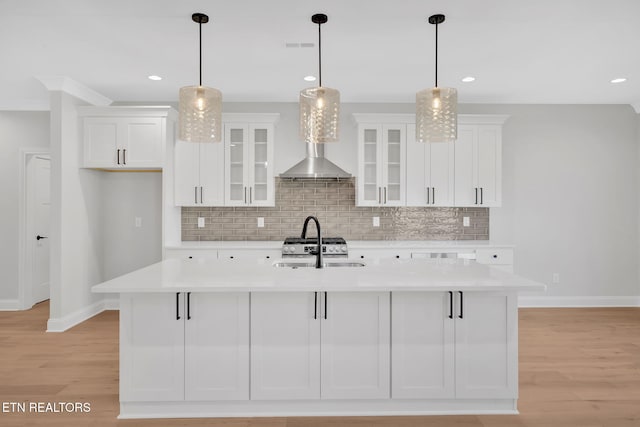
(200, 31)
(436, 55)
(320, 55)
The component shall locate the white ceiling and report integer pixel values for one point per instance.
(535, 51)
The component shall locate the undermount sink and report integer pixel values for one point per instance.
(327, 264)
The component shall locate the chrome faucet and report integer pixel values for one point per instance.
(318, 251)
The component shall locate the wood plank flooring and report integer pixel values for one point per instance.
(578, 367)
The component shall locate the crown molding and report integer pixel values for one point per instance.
(74, 88)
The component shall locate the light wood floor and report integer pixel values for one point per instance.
(578, 367)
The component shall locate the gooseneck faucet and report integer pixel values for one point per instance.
(318, 251)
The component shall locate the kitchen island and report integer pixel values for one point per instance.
(220, 338)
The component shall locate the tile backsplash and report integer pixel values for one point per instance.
(333, 202)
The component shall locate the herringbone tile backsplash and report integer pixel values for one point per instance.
(333, 202)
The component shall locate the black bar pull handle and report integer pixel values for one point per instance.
(461, 315)
(481, 196)
(201, 195)
(118, 155)
(325, 306)
(315, 305)
(450, 305)
(39, 237)
(195, 194)
(188, 305)
(476, 195)
(433, 195)
(177, 305)
(124, 156)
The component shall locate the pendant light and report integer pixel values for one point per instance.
(437, 107)
(319, 106)
(200, 107)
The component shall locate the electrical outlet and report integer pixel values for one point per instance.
(260, 222)
(376, 221)
(138, 222)
(466, 222)
(200, 222)
(555, 278)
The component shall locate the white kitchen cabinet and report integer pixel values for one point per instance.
(430, 172)
(458, 344)
(285, 345)
(249, 171)
(486, 341)
(317, 345)
(217, 346)
(117, 138)
(181, 346)
(422, 346)
(355, 344)
(478, 165)
(381, 179)
(199, 174)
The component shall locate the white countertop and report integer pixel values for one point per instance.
(353, 244)
(210, 275)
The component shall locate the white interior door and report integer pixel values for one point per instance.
(40, 171)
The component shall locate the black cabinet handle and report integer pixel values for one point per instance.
(325, 306)
(39, 237)
(476, 195)
(250, 195)
(124, 156)
(177, 305)
(315, 305)
(428, 196)
(201, 195)
(461, 315)
(188, 305)
(481, 196)
(195, 194)
(450, 305)
(433, 195)
(118, 155)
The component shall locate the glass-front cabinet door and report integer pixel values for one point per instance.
(381, 164)
(249, 164)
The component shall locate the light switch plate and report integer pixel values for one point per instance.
(466, 222)
(138, 222)
(200, 222)
(376, 221)
(260, 222)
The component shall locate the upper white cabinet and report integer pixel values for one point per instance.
(249, 178)
(320, 345)
(199, 174)
(430, 172)
(381, 179)
(126, 137)
(478, 161)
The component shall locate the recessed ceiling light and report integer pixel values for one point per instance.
(155, 78)
(619, 80)
(468, 79)
(310, 78)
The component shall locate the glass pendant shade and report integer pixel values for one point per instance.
(319, 114)
(437, 115)
(200, 114)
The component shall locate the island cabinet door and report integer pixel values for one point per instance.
(285, 345)
(486, 345)
(422, 347)
(217, 346)
(355, 345)
(151, 347)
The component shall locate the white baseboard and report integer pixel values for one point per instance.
(62, 324)
(578, 301)
(9, 304)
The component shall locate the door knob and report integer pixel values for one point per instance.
(39, 237)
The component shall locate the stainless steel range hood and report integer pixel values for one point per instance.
(315, 165)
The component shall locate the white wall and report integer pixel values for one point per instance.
(125, 196)
(18, 130)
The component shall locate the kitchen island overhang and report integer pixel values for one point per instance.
(222, 338)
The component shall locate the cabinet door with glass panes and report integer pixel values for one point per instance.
(381, 164)
(249, 164)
